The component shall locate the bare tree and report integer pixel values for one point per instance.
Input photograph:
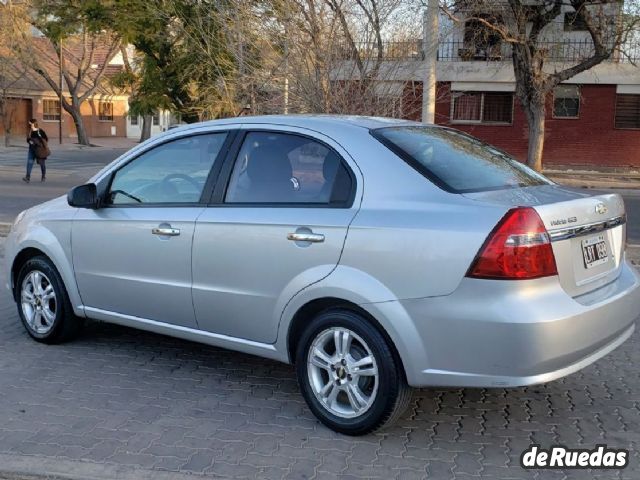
(74, 38)
(82, 75)
(344, 58)
(12, 72)
(287, 56)
(526, 26)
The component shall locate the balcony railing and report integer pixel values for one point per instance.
(392, 50)
(567, 51)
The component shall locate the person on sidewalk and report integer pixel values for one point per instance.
(37, 141)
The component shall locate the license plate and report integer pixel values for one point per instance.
(594, 251)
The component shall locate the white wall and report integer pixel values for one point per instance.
(134, 131)
(553, 32)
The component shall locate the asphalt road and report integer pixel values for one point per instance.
(66, 169)
(632, 204)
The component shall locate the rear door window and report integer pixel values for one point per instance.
(280, 168)
(456, 162)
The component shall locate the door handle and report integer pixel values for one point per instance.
(166, 231)
(306, 237)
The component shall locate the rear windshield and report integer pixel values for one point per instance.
(457, 162)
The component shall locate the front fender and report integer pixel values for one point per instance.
(357, 287)
(54, 241)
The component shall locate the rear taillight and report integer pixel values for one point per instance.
(518, 248)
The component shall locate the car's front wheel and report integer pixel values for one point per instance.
(349, 375)
(43, 303)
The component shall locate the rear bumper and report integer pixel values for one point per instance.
(506, 334)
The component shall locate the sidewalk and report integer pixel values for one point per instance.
(70, 143)
(612, 178)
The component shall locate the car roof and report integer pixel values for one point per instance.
(313, 122)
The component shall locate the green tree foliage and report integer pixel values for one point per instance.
(175, 66)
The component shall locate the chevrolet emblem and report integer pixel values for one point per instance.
(601, 208)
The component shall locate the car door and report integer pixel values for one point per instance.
(277, 224)
(132, 256)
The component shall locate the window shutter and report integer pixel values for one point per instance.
(628, 111)
(498, 108)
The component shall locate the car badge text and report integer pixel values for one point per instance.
(563, 221)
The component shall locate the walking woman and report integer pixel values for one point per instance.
(38, 149)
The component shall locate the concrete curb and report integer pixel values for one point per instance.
(604, 178)
(31, 467)
(621, 172)
(594, 182)
(103, 143)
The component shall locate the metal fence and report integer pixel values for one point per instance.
(569, 51)
(391, 50)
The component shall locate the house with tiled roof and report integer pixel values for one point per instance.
(31, 95)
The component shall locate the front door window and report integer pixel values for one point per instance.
(171, 173)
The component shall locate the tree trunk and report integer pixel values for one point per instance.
(146, 128)
(6, 124)
(536, 117)
(78, 121)
(7, 134)
(7, 117)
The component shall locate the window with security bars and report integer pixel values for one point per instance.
(467, 107)
(51, 110)
(627, 111)
(482, 107)
(566, 101)
(105, 111)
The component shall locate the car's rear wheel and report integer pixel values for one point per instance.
(43, 303)
(349, 375)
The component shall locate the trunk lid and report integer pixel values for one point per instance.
(588, 232)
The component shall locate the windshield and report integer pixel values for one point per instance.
(457, 162)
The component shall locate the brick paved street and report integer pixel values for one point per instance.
(120, 403)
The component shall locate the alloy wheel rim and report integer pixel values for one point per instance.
(343, 372)
(39, 303)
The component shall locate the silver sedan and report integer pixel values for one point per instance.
(375, 254)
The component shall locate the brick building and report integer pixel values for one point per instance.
(28, 95)
(592, 122)
(593, 119)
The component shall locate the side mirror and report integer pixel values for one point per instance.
(83, 196)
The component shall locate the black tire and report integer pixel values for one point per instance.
(393, 394)
(65, 325)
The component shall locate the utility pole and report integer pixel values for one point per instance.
(286, 76)
(430, 48)
(61, 90)
(286, 65)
